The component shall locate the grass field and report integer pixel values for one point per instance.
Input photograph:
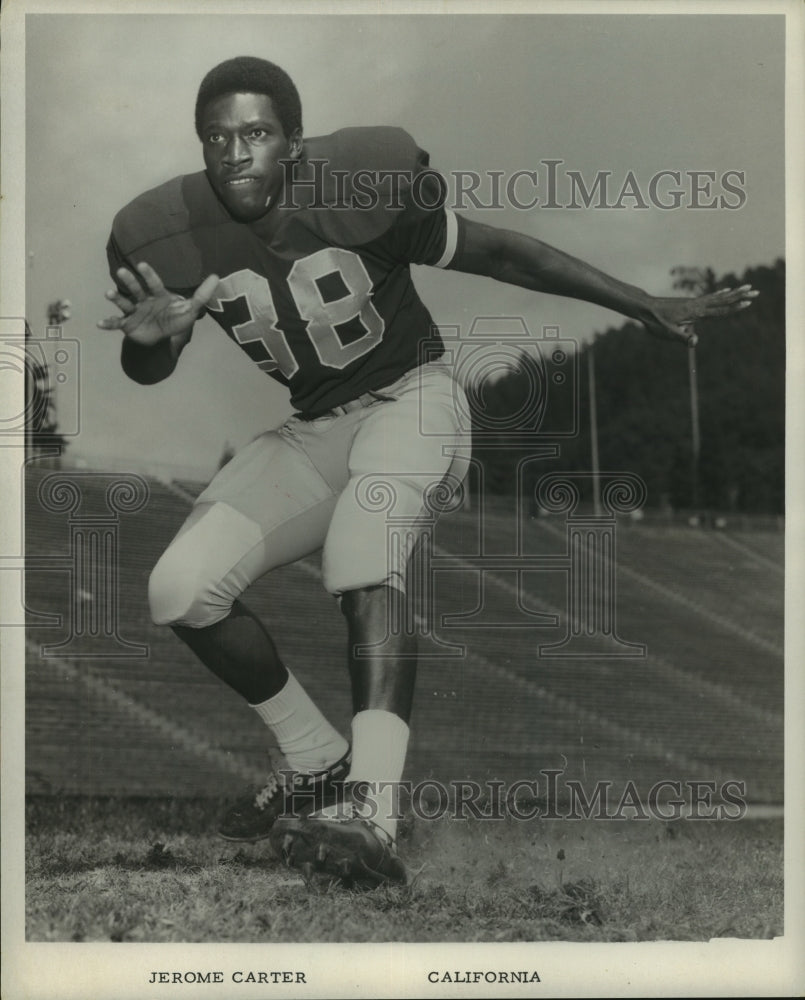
(150, 871)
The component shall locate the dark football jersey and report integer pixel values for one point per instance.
(319, 292)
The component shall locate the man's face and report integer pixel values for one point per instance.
(243, 144)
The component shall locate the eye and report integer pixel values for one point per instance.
(258, 133)
(214, 137)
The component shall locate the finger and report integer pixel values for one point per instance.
(111, 323)
(152, 280)
(744, 292)
(123, 303)
(722, 296)
(728, 308)
(205, 291)
(728, 300)
(133, 287)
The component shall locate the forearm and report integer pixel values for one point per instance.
(542, 268)
(521, 260)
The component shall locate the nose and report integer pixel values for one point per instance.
(236, 152)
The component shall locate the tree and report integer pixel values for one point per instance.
(644, 413)
(695, 280)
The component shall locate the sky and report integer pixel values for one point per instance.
(109, 113)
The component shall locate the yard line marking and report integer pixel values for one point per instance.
(574, 710)
(309, 567)
(194, 742)
(713, 617)
(764, 811)
(756, 557)
(177, 490)
(673, 595)
(718, 691)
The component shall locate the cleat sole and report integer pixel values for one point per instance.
(337, 850)
(251, 839)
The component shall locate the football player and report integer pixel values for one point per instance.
(300, 249)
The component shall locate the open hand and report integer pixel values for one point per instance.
(673, 319)
(151, 314)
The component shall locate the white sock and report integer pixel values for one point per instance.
(306, 739)
(379, 742)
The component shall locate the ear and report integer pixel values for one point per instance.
(295, 143)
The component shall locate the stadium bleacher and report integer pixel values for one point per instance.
(704, 703)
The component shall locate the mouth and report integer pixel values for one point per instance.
(238, 182)
(245, 195)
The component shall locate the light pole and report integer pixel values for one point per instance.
(694, 424)
(695, 281)
(594, 430)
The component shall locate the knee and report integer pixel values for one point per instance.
(352, 584)
(178, 595)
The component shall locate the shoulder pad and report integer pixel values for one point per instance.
(158, 226)
(373, 148)
(352, 185)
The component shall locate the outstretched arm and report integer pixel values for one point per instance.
(157, 323)
(521, 260)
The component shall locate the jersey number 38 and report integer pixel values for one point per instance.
(262, 330)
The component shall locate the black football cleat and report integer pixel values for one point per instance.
(289, 794)
(338, 842)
